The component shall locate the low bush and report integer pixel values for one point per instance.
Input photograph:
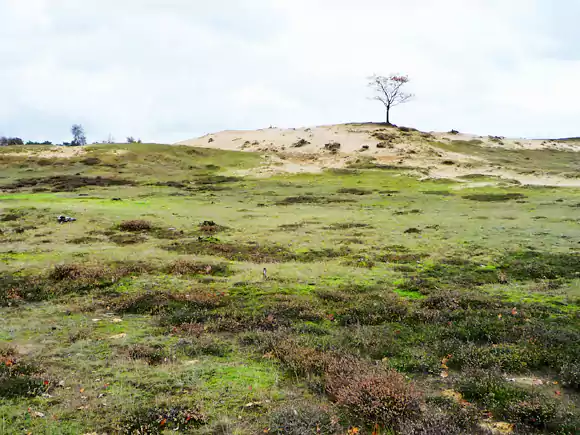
(203, 346)
(333, 147)
(570, 374)
(354, 191)
(373, 310)
(159, 420)
(153, 355)
(304, 418)
(300, 143)
(185, 266)
(372, 394)
(19, 378)
(539, 412)
(136, 225)
(444, 416)
(494, 197)
(301, 360)
(489, 387)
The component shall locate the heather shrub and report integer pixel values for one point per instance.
(19, 378)
(135, 225)
(300, 360)
(153, 355)
(570, 374)
(372, 394)
(489, 388)
(304, 418)
(185, 266)
(536, 412)
(373, 310)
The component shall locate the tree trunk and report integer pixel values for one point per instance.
(388, 116)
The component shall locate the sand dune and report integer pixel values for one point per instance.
(306, 150)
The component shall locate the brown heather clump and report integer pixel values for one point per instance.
(96, 272)
(184, 266)
(135, 225)
(300, 359)
(83, 272)
(371, 393)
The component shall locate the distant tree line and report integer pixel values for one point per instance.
(8, 141)
(79, 139)
(11, 141)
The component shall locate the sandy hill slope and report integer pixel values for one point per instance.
(443, 155)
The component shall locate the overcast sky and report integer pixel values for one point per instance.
(169, 70)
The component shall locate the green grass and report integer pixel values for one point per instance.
(181, 324)
(556, 162)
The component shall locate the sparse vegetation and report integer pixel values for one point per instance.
(333, 147)
(351, 300)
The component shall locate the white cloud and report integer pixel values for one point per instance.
(167, 70)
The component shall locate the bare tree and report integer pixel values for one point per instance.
(78, 133)
(389, 91)
(131, 139)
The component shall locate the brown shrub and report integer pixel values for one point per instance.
(188, 267)
(135, 225)
(289, 308)
(148, 303)
(372, 394)
(373, 310)
(301, 360)
(255, 253)
(96, 272)
(127, 239)
(153, 355)
(83, 272)
(333, 147)
(305, 418)
(66, 183)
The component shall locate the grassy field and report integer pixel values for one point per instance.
(390, 305)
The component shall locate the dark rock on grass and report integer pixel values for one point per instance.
(65, 219)
(412, 231)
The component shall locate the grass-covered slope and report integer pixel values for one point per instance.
(389, 305)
